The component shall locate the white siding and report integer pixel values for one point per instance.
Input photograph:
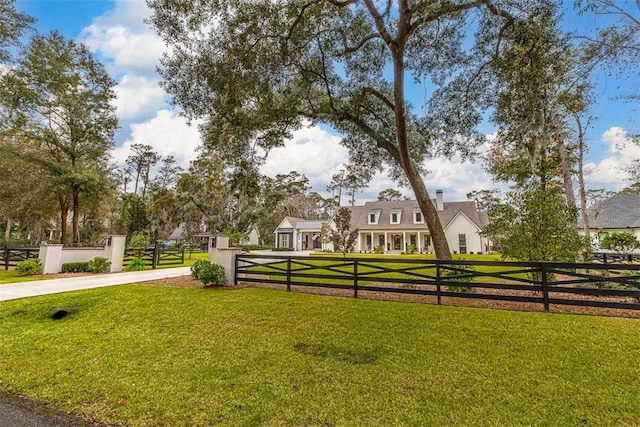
(461, 224)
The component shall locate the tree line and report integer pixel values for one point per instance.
(253, 72)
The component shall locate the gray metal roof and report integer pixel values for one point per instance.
(310, 225)
(620, 211)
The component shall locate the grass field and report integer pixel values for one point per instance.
(156, 356)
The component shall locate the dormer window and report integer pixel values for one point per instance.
(373, 217)
(417, 217)
(394, 216)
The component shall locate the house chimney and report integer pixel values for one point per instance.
(439, 201)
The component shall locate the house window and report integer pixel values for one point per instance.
(462, 243)
(372, 217)
(417, 217)
(284, 241)
(394, 217)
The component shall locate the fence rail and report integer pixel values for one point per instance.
(614, 258)
(587, 284)
(155, 256)
(11, 256)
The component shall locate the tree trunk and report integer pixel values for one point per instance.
(7, 231)
(565, 165)
(438, 237)
(76, 218)
(64, 212)
(581, 187)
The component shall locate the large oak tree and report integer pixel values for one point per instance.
(257, 70)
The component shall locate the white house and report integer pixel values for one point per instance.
(299, 234)
(620, 213)
(393, 226)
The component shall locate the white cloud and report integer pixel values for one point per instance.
(124, 39)
(138, 97)
(131, 51)
(313, 152)
(168, 134)
(609, 172)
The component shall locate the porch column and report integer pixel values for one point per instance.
(373, 244)
(419, 243)
(404, 241)
(386, 242)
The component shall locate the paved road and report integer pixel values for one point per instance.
(44, 287)
(16, 412)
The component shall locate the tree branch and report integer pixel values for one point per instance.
(355, 48)
(377, 94)
(379, 20)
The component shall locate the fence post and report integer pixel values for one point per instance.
(355, 278)
(545, 286)
(236, 263)
(6, 258)
(289, 274)
(156, 255)
(438, 284)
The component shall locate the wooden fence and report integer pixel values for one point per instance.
(155, 256)
(613, 258)
(11, 256)
(587, 284)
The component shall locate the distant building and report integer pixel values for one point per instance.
(395, 225)
(620, 213)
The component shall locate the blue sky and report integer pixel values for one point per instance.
(114, 30)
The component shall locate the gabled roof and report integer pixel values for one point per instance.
(289, 222)
(447, 215)
(310, 225)
(619, 211)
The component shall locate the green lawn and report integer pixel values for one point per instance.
(10, 276)
(154, 356)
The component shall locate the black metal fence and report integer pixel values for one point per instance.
(587, 284)
(11, 256)
(155, 256)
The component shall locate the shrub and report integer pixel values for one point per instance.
(378, 250)
(136, 264)
(463, 275)
(75, 267)
(98, 265)
(257, 247)
(28, 267)
(284, 249)
(208, 273)
(412, 249)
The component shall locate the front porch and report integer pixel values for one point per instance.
(394, 242)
